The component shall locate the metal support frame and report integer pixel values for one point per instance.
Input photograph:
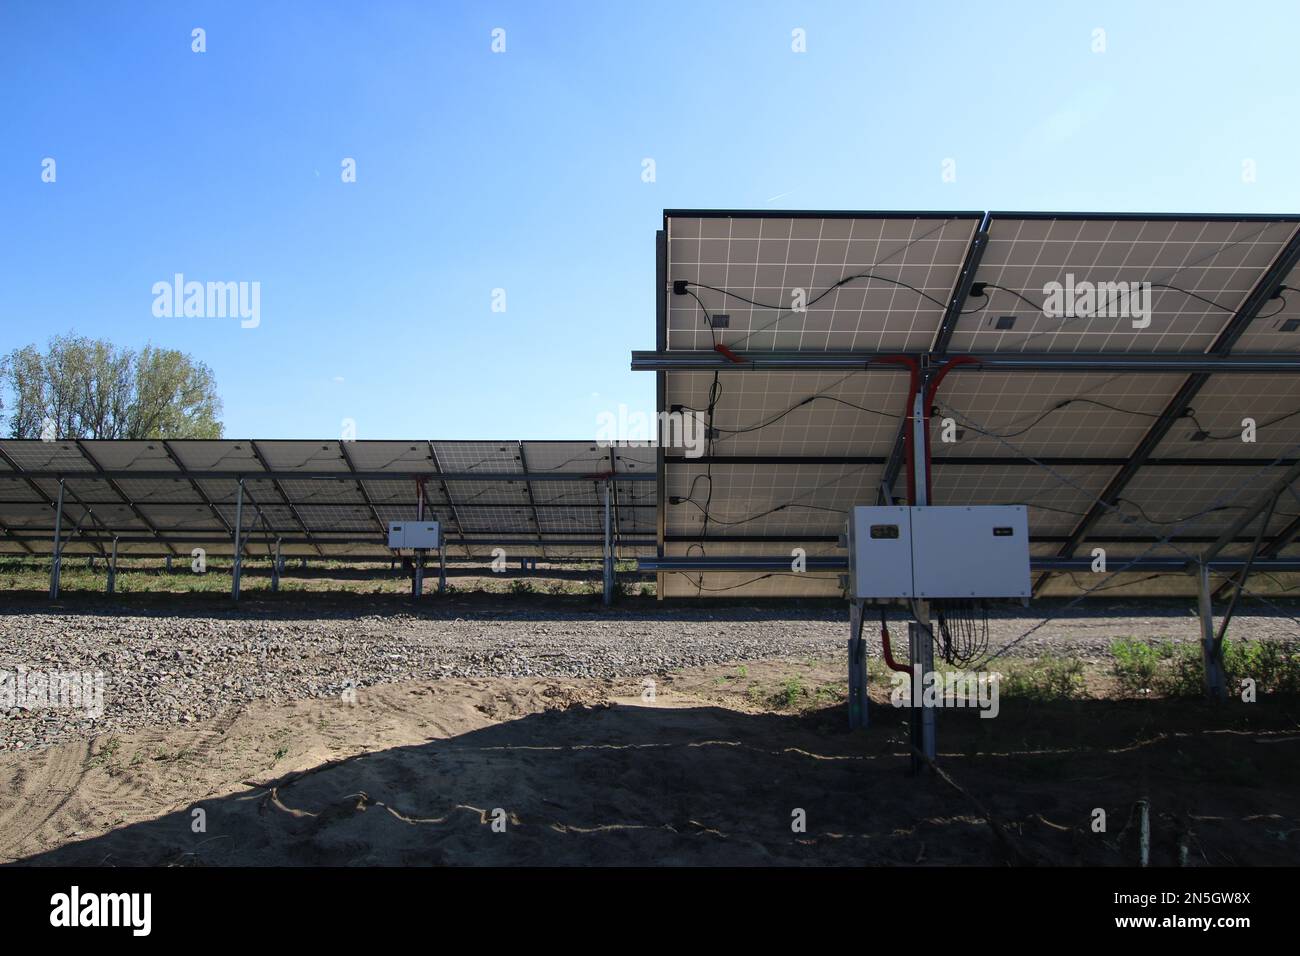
(613, 470)
(532, 500)
(276, 566)
(939, 347)
(57, 562)
(922, 730)
(1265, 501)
(609, 550)
(965, 279)
(696, 360)
(661, 399)
(1212, 678)
(237, 564)
(858, 710)
(112, 570)
(920, 639)
(417, 577)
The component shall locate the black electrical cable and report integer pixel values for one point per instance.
(800, 404)
(963, 630)
(715, 396)
(1064, 403)
(754, 517)
(731, 587)
(1206, 435)
(1039, 417)
(817, 298)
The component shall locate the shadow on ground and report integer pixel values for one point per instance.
(661, 785)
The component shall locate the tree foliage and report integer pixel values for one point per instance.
(88, 388)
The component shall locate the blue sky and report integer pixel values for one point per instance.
(522, 170)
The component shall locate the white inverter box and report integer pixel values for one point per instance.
(414, 534)
(935, 551)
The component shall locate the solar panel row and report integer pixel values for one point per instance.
(1107, 457)
(322, 498)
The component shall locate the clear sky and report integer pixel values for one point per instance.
(523, 170)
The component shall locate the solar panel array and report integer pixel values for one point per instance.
(539, 499)
(793, 450)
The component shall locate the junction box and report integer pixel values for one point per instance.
(930, 551)
(414, 534)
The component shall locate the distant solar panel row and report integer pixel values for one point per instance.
(323, 498)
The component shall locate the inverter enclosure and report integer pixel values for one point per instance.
(977, 551)
(980, 551)
(414, 534)
(880, 552)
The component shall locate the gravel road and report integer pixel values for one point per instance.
(176, 664)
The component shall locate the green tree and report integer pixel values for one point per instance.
(88, 388)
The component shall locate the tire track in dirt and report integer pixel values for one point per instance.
(48, 784)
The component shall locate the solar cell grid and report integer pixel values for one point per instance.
(124, 455)
(757, 500)
(1218, 261)
(759, 413)
(1110, 415)
(496, 518)
(174, 517)
(45, 456)
(300, 455)
(764, 260)
(87, 490)
(1055, 507)
(568, 493)
(397, 456)
(578, 457)
(1196, 500)
(148, 490)
(578, 521)
(466, 493)
(16, 489)
(1221, 407)
(469, 456)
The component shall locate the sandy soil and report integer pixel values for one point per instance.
(586, 771)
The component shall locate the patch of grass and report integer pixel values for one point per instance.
(1135, 664)
(742, 670)
(521, 586)
(1057, 678)
(789, 693)
(1274, 666)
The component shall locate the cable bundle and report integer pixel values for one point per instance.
(963, 632)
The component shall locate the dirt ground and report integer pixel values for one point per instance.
(713, 770)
